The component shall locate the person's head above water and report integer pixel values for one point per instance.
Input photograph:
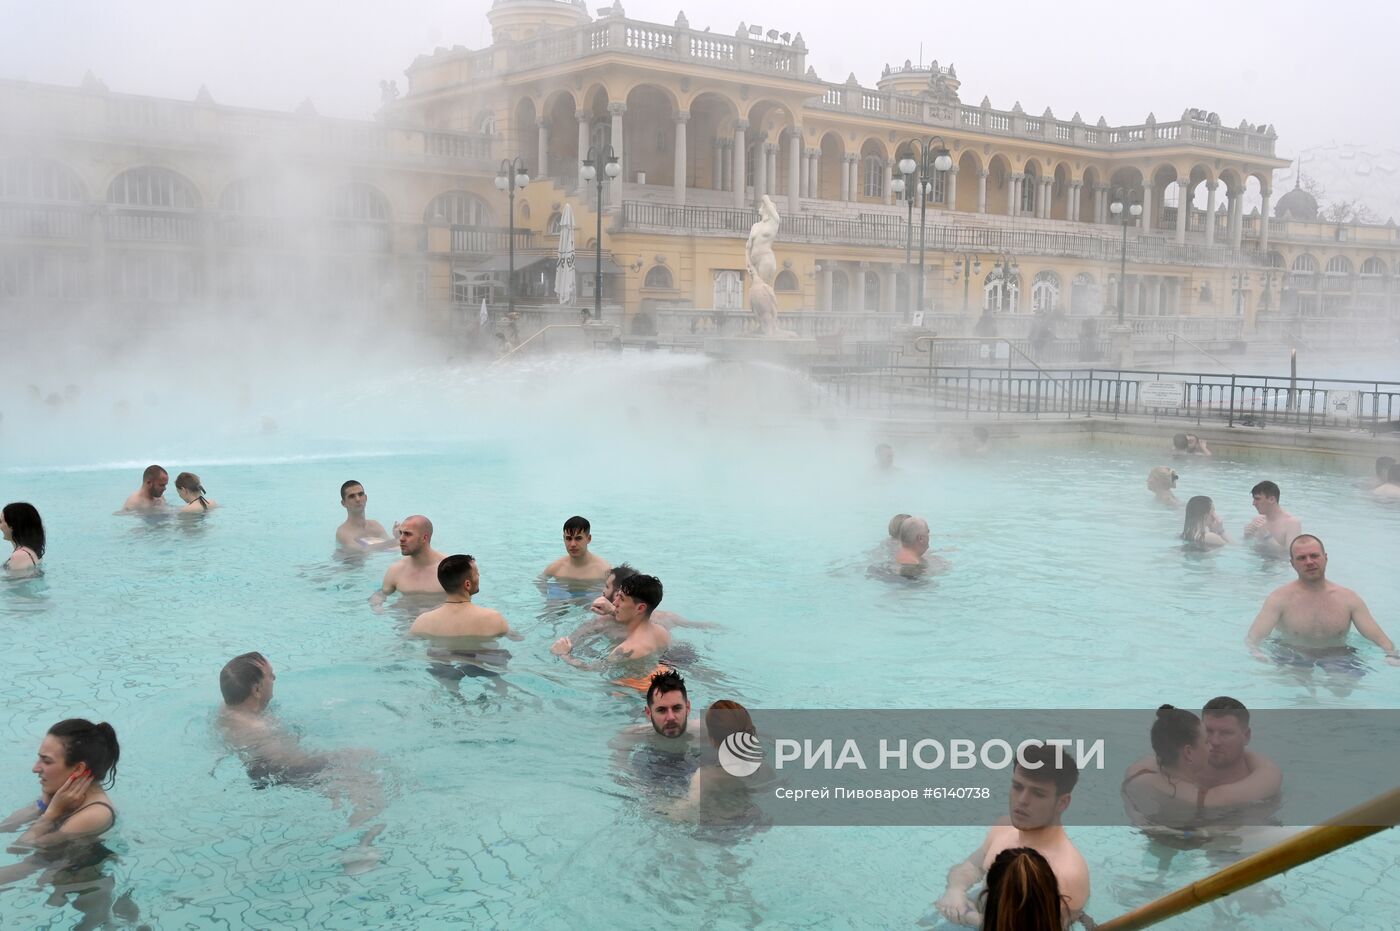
(616, 576)
(1383, 464)
(726, 717)
(154, 480)
(578, 533)
(415, 535)
(1179, 441)
(22, 526)
(668, 705)
(1309, 557)
(914, 535)
(1041, 785)
(1266, 496)
(1198, 511)
(458, 575)
(895, 523)
(1022, 893)
(884, 456)
(188, 484)
(1161, 479)
(1178, 739)
(353, 497)
(73, 742)
(247, 681)
(637, 596)
(1226, 722)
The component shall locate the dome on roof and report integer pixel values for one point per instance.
(1297, 204)
(519, 20)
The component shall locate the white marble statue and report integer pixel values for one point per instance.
(763, 267)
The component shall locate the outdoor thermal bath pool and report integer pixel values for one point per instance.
(1068, 589)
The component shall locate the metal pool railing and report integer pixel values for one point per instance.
(1001, 388)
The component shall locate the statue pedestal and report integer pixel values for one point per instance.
(1120, 347)
(775, 350)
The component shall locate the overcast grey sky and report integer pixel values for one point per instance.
(1318, 72)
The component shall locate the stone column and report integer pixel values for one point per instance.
(855, 178)
(1236, 216)
(803, 186)
(543, 142)
(951, 188)
(1183, 207)
(717, 160)
(1210, 211)
(1264, 222)
(617, 109)
(982, 190)
(760, 170)
(889, 179)
(1100, 203)
(772, 183)
(682, 117)
(825, 303)
(846, 179)
(1013, 187)
(584, 117)
(1146, 206)
(887, 289)
(859, 296)
(814, 181)
(741, 154)
(794, 170)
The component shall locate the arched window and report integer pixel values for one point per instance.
(786, 281)
(874, 176)
(555, 220)
(458, 208)
(249, 197)
(1305, 265)
(152, 187)
(1373, 266)
(659, 279)
(1045, 292)
(1028, 185)
(1084, 295)
(1000, 292)
(358, 202)
(36, 179)
(1339, 265)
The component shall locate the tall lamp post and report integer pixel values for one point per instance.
(605, 155)
(509, 176)
(929, 156)
(1126, 213)
(965, 265)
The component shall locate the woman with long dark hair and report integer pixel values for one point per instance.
(21, 526)
(1022, 894)
(1203, 528)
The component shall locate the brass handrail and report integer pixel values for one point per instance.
(1347, 828)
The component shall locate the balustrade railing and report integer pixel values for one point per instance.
(26, 221)
(152, 226)
(891, 231)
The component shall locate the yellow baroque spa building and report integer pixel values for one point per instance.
(125, 205)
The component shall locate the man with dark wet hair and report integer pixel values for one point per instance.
(1391, 487)
(358, 531)
(1274, 529)
(1189, 444)
(578, 564)
(1226, 722)
(458, 617)
(1041, 785)
(1313, 616)
(151, 494)
(637, 598)
(667, 747)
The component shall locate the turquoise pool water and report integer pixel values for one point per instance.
(1067, 590)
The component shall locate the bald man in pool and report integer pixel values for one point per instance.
(416, 573)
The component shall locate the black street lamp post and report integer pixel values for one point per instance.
(928, 156)
(965, 265)
(611, 169)
(1126, 213)
(511, 175)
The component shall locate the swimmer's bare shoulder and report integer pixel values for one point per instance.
(552, 570)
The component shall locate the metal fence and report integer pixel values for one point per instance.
(1016, 389)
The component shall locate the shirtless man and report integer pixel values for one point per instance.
(1189, 444)
(1274, 529)
(1314, 616)
(637, 598)
(578, 565)
(273, 755)
(358, 532)
(416, 573)
(669, 729)
(1229, 762)
(1391, 487)
(1039, 796)
(458, 617)
(151, 494)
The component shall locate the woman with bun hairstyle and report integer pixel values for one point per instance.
(76, 760)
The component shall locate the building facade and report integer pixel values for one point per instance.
(111, 200)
